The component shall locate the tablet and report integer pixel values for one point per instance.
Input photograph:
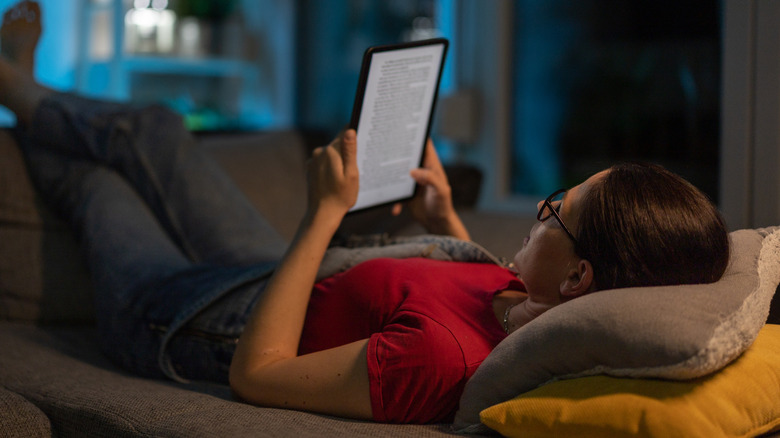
(392, 114)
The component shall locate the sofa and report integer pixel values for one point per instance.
(54, 381)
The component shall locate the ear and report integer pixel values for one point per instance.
(578, 281)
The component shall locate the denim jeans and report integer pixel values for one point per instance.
(177, 255)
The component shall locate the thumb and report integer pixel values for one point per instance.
(349, 149)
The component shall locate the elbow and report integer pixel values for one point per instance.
(252, 378)
(240, 374)
(238, 378)
(249, 382)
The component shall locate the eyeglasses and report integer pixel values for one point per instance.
(548, 210)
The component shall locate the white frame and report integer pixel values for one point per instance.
(485, 69)
(750, 115)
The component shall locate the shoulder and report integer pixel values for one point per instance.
(417, 336)
(417, 371)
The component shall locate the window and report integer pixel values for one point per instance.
(332, 36)
(600, 81)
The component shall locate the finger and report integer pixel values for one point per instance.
(421, 176)
(349, 150)
(316, 153)
(431, 178)
(332, 158)
(318, 159)
(431, 156)
(397, 208)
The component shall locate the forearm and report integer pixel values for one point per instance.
(266, 368)
(274, 329)
(451, 225)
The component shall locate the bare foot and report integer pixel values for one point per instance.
(19, 34)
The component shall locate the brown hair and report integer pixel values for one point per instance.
(642, 225)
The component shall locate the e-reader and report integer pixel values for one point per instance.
(392, 115)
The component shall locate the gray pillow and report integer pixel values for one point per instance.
(671, 332)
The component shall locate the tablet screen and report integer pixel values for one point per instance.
(392, 114)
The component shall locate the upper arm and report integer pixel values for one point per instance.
(419, 370)
(332, 381)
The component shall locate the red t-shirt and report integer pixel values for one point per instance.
(430, 324)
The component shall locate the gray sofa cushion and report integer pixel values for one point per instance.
(63, 373)
(20, 418)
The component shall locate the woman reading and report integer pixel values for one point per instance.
(192, 283)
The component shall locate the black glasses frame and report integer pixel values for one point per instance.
(548, 206)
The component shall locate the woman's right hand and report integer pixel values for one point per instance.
(432, 206)
(266, 369)
(333, 180)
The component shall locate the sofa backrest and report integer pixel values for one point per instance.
(270, 168)
(43, 278)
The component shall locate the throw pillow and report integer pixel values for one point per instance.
(741, 400)
(672, 332)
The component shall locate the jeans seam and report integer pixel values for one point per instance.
(196, 333)
(151, 176)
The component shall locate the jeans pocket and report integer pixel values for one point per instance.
(198, 355)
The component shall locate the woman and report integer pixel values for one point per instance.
(181, 261)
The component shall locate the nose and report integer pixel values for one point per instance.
(539, 205)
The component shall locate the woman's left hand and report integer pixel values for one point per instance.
(333, 180)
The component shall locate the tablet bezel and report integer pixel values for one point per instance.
(361, 90)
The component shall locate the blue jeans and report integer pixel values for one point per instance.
(177, 255)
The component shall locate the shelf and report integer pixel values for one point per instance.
(206, 85)
(184, 66)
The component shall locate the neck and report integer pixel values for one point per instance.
(526, 312)
(504, 300)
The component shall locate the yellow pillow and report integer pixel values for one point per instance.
(740, 400)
